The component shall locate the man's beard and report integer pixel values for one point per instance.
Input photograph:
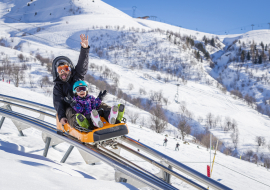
(67, 76)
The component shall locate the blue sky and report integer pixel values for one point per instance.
(213, 16)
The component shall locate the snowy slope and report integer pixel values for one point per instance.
(58, 34)
(25, 154)
(246, 77)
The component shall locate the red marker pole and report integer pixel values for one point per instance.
(208, 171)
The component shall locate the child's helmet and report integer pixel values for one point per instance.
(77, 84)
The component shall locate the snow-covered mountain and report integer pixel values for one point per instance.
(142, 58)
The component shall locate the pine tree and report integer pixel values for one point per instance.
(248, 56)
(243, 56)
(213, 42)
(207, 55)
(260, 59)
(262, 45)
(198, 56)
(266, 47)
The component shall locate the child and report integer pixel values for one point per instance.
(83, 111)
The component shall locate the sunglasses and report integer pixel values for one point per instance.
(80, 88)
(62, 68)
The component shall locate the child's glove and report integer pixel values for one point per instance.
(101, 94)
(70, 101)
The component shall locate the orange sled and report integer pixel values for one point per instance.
(108, 131)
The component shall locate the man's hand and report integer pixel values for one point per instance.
(63, 121)
(84, 40)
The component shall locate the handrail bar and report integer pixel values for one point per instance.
(28, 108)
(29, 103)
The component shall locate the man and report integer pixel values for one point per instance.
(67, 77)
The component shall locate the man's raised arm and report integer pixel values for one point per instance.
(82, 65)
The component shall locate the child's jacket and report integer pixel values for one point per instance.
(86, 104)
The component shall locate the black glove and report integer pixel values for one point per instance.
(70, 101)
(101, 94)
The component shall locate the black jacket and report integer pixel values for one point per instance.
(62, 89)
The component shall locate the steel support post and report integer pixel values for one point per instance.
(167, 176)
(67, 154)
(47, 145)
(3, 118)
(2, 121)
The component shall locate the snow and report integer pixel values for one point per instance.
(59, 35)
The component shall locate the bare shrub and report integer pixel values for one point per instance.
(183, 126)
(260, 140)
(165, 100)
(182, 108)
(224, 89)
(228, 151)
(237, 93)
(249, 99)
(47, 81)
(235, 137)
(267, 162)
(158, 119)
(200, 119)
(142, 91)
(133, 116)
(248, 155)
(227, 124)
(130, 86)
(17, 75)
(31, 81)
(156, 96)
(210, 120)
(21, 57)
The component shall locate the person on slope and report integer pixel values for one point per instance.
(177, 146)
(165, 142)
(83, 111)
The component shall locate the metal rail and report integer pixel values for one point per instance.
(177, 165)
(29, 103)
(116, 164)
(160, 166)
(27, 108)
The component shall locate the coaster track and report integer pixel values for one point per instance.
(126, 171)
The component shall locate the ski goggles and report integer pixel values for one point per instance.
(62, 68)
(81, 88)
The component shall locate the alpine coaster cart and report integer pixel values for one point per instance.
(108, 131)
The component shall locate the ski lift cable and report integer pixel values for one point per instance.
(243, 174)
